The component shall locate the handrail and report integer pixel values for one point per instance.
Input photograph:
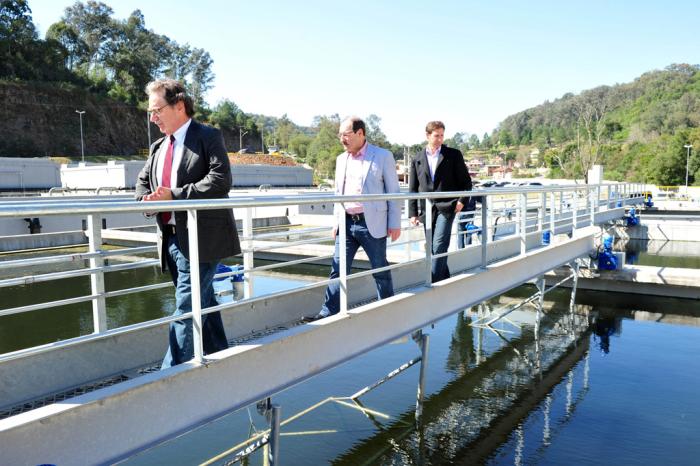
(531, 209)
(63, 207)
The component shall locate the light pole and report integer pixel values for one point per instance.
(687, 160)
(262, 137)
(82, 145)
(241, 133)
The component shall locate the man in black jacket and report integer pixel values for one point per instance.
(190, 162)
(438, 168)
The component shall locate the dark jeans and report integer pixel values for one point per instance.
(375, 248)
(181, 347)
(442, 230)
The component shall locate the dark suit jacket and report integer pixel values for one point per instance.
(451, 174)
(204, 173)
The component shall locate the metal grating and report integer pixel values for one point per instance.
(61, 396)
(150, 368)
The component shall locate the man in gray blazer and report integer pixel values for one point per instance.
(190, 162)
(364, 169)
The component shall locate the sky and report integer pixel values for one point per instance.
(468, 63)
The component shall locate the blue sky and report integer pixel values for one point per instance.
(468, 63)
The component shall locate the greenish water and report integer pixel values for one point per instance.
(624, 391)
(620, 387)
(682, 254)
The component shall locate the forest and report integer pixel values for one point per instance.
(637, 130)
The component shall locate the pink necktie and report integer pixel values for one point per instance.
(167, 169)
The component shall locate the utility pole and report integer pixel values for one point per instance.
(148, 128)
(82, 145)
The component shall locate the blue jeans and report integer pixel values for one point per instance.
(375, 248)
(442, 231)
(464, 236)
(181, 347)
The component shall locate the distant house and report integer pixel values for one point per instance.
(502, 173)
(491, 168)
(475, 165)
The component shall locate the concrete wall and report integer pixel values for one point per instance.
(92, 176)
(256, 175)
(28, 173)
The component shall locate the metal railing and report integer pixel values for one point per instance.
(502, 213)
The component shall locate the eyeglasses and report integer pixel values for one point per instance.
(346, 133)
(156, 111)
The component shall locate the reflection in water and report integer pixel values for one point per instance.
(462, 354)
(473, 414)
(604, 328)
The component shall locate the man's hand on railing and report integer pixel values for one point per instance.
(394, 233)
(161, 194)
(415, 221)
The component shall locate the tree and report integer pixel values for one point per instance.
(299, 145)
(93, 21)
(325, 147)
(474, 141)
(374, 132)
(284, 131)
(591, 109)
(17, 36)
(66, 35)
(225, 115)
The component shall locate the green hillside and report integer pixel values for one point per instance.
(636, 130)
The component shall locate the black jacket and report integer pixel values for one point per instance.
(451, 174)
(204, 173)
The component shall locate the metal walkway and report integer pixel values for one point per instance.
(103, 420)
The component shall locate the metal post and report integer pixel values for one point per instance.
(241, 133)
(523, 223)
(428, 242)
(421, 378)
(274, 450)
(248, 255)
(541, 289)
(574, 212)
(591, 199)
(408, 233)
(195, 287)
(342, 258)
(552, 212)
(572, 299)
(97, 279)
(484, 230)
(82, 145)
(541, 212)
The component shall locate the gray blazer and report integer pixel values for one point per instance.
(204, 173)
(379, 177)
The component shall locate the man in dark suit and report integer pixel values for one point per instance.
(190, 162)
(438, 168)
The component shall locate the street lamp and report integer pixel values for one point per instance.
(262, 137)
(687, 159)
(82, 145)
(241, 133)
